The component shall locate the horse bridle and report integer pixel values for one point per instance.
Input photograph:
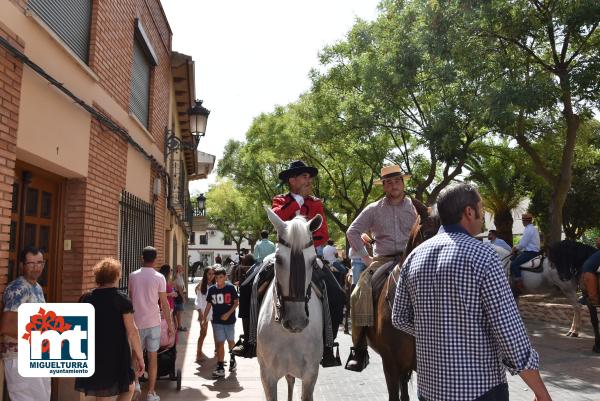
(280, 299)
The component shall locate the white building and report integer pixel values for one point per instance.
(206, 243)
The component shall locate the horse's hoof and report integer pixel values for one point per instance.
(574, 334)
(596, 349)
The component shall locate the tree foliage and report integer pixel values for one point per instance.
(234, 214)
(496, 91)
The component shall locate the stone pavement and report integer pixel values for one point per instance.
(570, 370)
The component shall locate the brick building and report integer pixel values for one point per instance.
(95, 141)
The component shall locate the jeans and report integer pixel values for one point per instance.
(515, 265)
(357, 268)
(340, 267)
(592, 263)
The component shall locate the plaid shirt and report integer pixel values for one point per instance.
(453, 296)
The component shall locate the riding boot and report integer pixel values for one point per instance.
(359, 356)
(243, 348)
(329, 359)
(590, 283)
(358, 359)
(519, 288)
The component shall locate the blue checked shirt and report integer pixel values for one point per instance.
(453, 296)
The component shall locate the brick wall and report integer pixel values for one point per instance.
(111, 54)
(11, 72)
(159, 218)
(561, 314)
(92, 211)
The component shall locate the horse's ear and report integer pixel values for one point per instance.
(315, 223)
(275, 220)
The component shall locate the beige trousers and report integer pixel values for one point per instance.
(361, 308)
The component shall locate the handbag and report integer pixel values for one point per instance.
(166, 340)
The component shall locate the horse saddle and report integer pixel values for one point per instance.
(535, 265)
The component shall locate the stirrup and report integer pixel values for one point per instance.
(355, 356)
(328, 361)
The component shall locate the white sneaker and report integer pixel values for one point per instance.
(137, 392)
(152, 397)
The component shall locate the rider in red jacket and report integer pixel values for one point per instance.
(286, 207)
(299, 201)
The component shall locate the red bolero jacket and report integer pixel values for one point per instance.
(286, 207)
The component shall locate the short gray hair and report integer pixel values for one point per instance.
(452, 202)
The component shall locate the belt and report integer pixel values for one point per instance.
(394, 255)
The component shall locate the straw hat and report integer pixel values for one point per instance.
(391, 172)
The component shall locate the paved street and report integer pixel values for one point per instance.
(570, 369)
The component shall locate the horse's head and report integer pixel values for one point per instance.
(294, 258)
(425, 227)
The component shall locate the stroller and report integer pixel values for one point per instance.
(166, 357)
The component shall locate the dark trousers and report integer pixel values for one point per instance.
(515, 265)
(592, 263)
(336, 297)
(498, 393)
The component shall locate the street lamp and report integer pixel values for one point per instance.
(198, 120)
(201, 199)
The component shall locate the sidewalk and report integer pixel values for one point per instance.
(570, 370)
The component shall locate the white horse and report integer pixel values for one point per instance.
(544, 282)
(290, 321)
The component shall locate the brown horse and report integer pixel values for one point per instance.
(397, 349)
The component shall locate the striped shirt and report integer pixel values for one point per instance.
(453, 296)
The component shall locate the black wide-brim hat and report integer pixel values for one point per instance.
(296, 168)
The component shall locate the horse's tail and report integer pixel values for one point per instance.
(568, 257)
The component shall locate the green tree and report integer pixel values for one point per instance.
(580, 213)
(501, 184)
(547, 58)
(234, 214)
(404, 84)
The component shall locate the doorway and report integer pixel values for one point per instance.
(37, 205)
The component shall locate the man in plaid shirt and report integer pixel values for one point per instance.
(454, 298)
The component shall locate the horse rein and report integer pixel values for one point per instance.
(281, 299)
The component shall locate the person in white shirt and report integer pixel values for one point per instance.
(529, 248)
(208, 279)
(494, 240)
(329, 254)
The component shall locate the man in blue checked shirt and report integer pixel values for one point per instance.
(453, 296)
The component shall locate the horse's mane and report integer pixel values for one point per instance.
(568, 257)
(425, 227)
(297, 234)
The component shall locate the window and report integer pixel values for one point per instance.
(69, 19)
(192, 238)
(144, 59)
(203, 239)
(226, 240)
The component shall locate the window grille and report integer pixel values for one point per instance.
(203, 239)
(136, 231)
